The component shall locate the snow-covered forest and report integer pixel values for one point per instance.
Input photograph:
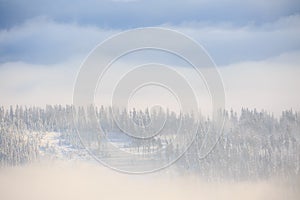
(254, 144)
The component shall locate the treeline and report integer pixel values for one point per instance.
(254, 144)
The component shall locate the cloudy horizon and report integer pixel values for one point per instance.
(255, 46)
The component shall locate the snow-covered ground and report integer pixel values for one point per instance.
(53, 146)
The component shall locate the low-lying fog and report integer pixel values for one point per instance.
(65, 180)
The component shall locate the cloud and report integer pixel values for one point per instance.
(259, 63)
(129, 14)
(44, 41)
(228, 43)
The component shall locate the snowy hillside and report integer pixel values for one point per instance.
(254, 145)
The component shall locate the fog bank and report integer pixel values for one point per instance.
(86, 181)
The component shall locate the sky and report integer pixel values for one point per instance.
(255, 45)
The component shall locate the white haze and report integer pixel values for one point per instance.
(247, 84)
(71, 181)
